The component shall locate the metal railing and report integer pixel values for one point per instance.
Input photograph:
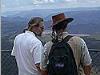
(95, 55)
(9, 65)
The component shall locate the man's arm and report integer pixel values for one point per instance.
(14, 48)
(86, 58)
(37, 48)
(44, 72)
(87, 69)
(44, 58)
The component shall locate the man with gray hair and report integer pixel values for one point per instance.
(27, 48)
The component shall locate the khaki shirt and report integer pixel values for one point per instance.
(80, 51)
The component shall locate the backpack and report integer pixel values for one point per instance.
(61, 60)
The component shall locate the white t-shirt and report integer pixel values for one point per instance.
(27, 51)
(80, 52)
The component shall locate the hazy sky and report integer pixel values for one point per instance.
(11, 5)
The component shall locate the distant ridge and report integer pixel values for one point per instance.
(85, 22)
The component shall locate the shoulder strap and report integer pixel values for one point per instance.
(67, 38)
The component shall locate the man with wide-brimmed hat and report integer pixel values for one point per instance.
(77, 44)
(27, 48)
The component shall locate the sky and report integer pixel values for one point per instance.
(13, 5)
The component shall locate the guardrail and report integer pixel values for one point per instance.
(9, 66)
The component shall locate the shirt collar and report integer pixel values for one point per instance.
(65, 34)
(30, 32)
(62, 36)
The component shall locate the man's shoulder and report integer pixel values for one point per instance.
(77, 38)
(19, 35)
(49, 43)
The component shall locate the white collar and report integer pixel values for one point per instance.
(30, 32)
(65, 34)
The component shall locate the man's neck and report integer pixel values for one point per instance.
(62, 35)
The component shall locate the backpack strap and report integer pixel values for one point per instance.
(67, 38)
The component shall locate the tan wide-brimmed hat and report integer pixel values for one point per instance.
(60, 18)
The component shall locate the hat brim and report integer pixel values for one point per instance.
(67, 20)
